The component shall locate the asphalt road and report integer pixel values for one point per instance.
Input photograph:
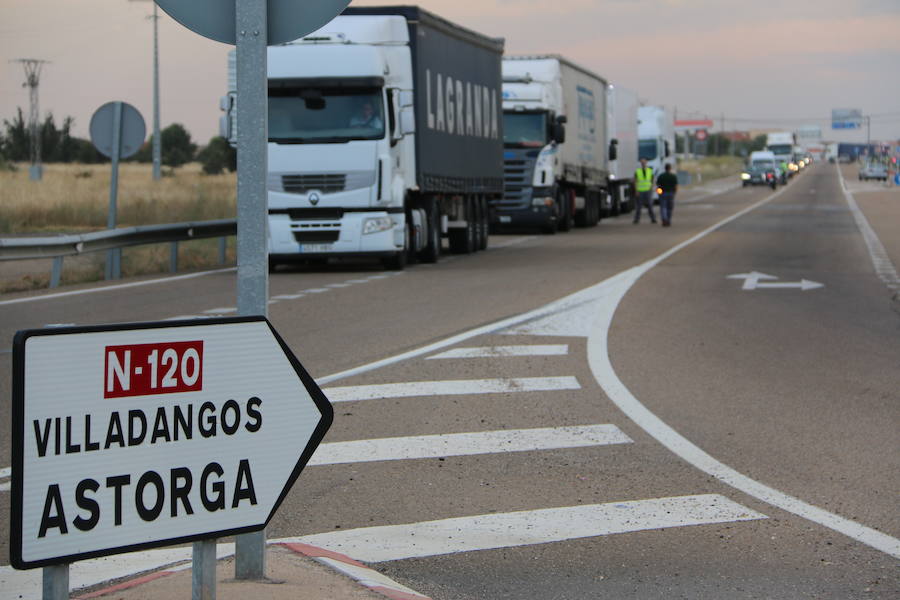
(585, 495)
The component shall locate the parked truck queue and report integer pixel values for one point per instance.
(391, 129)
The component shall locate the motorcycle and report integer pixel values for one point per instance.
(770, 179)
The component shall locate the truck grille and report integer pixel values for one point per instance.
(310, 214)
(517, 173)
(303, 184)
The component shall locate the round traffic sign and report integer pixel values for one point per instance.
(700, 135)
(287, 19)
(131, 133)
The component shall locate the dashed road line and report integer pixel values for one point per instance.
(377, 391)
(501, 351)
(525, 528)
(467, 444)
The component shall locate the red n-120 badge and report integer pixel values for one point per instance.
(144, 369)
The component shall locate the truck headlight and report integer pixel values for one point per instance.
(542, 201)
(745, 176)
(376, 224)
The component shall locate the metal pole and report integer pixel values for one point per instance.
(55, 582)
(113, 270)
(157, 142)
(203, 570)
(252, 218)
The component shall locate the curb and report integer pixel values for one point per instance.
(341, 563)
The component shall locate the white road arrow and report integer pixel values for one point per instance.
(752, 282)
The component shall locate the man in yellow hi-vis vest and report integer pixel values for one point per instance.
(643, 184)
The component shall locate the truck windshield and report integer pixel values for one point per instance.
(763, 164)
(780, 149)
(525, 129)
(647, 149)
(302, 115)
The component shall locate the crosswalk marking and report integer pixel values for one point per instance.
(523, 528)
(500, 351)
(449, 388)
(467, 444)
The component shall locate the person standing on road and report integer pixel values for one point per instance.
(668, 183)
(643, 184)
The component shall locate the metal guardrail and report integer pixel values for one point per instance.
(60, 246)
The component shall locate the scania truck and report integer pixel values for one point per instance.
(385, 135)
(554, 179)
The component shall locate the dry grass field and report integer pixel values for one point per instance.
(712, 167)
(75, 198)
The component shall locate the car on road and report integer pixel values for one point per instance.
(762, 169)
(873, 170)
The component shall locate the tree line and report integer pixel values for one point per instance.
(58, 145)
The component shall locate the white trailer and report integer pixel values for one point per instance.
(555, 144)
(622, 136)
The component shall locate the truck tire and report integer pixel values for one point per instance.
(485, 224)
(583, 218)
(432, 250)
(462, 240)
(566, 218)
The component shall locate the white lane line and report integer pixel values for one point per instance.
(111, 288)
(315, 291)
(187, 317)
(450, 388)
(358, 280)
(5, 472)
(221, 311)
(338, 285)
(15, 585)
(525, 528)
(513, 242)
(468, 444)
(500, 351)
(882, 263)
(287, 296)
(612, 291)
(372, 579)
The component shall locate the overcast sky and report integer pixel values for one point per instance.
(771, 59)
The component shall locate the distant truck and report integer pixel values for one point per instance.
(385, 134)
(554, 179)
(781, 144)
(622, 111)
(656, 138)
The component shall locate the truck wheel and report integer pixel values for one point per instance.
(566, 218)
(432, 250)
(485, 224)
(583, 218)
(462, 239)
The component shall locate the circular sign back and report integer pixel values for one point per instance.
(287, 19)
(132, 133)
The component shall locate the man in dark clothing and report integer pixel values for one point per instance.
(668, 183)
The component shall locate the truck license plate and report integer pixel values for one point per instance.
(505, 219)
(315, 248)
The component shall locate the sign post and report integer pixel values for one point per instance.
(117, 131)
(134, 436)
(252, 25)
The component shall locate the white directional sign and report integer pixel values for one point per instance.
(760, 281)
(139, 435)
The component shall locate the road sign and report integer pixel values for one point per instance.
(682, 124)
(754, 281)
(700, 135)
(287, 19)
(132, 436)
(131, 129)
(846, 118)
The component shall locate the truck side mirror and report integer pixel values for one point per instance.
(559, 133)
(407, 121)
(613, 149)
